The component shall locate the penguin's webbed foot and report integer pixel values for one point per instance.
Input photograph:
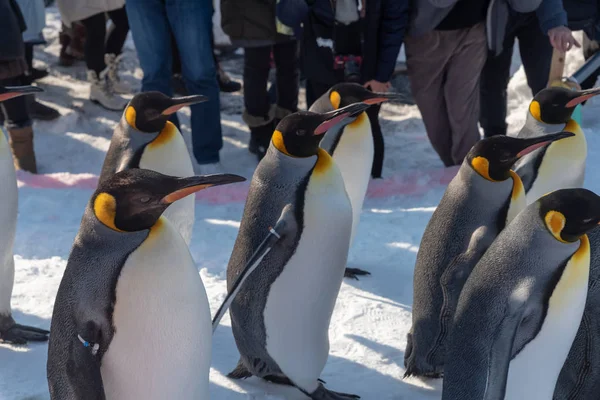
(21, 334)
(323, 394)
(240, 372)
(354, 273)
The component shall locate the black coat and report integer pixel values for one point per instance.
(584, 15)
(12, 25)
(383, 31)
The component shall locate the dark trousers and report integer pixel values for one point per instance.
(257, 64)
(190, 22)
(536, 55)
(96, 42)
(15, 110)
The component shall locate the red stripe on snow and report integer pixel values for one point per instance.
(408, 183)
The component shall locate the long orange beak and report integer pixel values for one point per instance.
(10, 92)
(196, 183)
(180, 102)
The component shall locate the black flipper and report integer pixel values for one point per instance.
(323, 394)
(354, 273)
(240, 371)
(283, 227)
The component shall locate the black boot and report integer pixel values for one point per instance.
(41, 111)
(260, 138)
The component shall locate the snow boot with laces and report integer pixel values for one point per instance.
(102, 93)
(112, 65)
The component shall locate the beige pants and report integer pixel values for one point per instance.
(444, 69)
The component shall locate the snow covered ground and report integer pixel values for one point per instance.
(372, 316)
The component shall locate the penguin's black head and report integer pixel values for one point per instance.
(346, 93)
(570, 213)
(299, 134)
(149, 111)
(134, 199)
(10, 92)
(493, 157)
(555, 105)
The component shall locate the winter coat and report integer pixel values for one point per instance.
(382, 32)
(584, 15)
(251, 23)
(77, 10)
(12, 49)
(34, 13)
(427, 14)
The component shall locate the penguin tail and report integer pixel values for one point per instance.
(240, 371)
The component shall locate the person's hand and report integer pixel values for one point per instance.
(562, 38)
(377, 86)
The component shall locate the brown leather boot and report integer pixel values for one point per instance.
(21, 144)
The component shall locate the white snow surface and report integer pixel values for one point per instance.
(371, 317)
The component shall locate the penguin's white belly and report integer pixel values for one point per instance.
(563, 166)
(301, 300)
(533, 373)
(172, 158)
(161, 348)
(354, 157)
(8, 222)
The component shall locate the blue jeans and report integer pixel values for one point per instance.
(151, 22)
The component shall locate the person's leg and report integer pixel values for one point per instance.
(590, 48)
(426, 60)
(19, 127)
(191, 23)
(493, 84)
(462, 89)
(152, 38)
(287, 75)
(117, 37)
(379, 146)
(258, 113)
(95, 27)
(536, 53)
(314, 90)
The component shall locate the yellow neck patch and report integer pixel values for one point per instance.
(573, 127)
(105, 209)
(482, 166)
(555, 222)
(359, 120)
(583, 250)
(278, 143)
(130, 117)
(166, 135)
(518, 188)
(335, 99)
(324, 162)
(535, 110)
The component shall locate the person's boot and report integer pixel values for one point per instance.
(225, 83)
(64, 58)
(102, 93)
(76, 48)
(112, 65)
(260, 138)
(21, 145)
(41, 111)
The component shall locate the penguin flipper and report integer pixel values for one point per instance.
(285, 226)
(240, 371)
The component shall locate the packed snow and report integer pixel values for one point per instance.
(371, 317)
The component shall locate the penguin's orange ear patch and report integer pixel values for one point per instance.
(535, 110)
(277, 140)
(130, 116)
(555, 222)
(105, 209)
(482, 166)
(335, 99)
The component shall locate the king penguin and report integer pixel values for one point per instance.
(483, 197)
(560, 165)
(351, 146)
(520, 308)
(131, 318)
(144, 138)
(579, 378)
(280, 317)
(11, 332)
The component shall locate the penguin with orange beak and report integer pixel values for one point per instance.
(145, 138)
